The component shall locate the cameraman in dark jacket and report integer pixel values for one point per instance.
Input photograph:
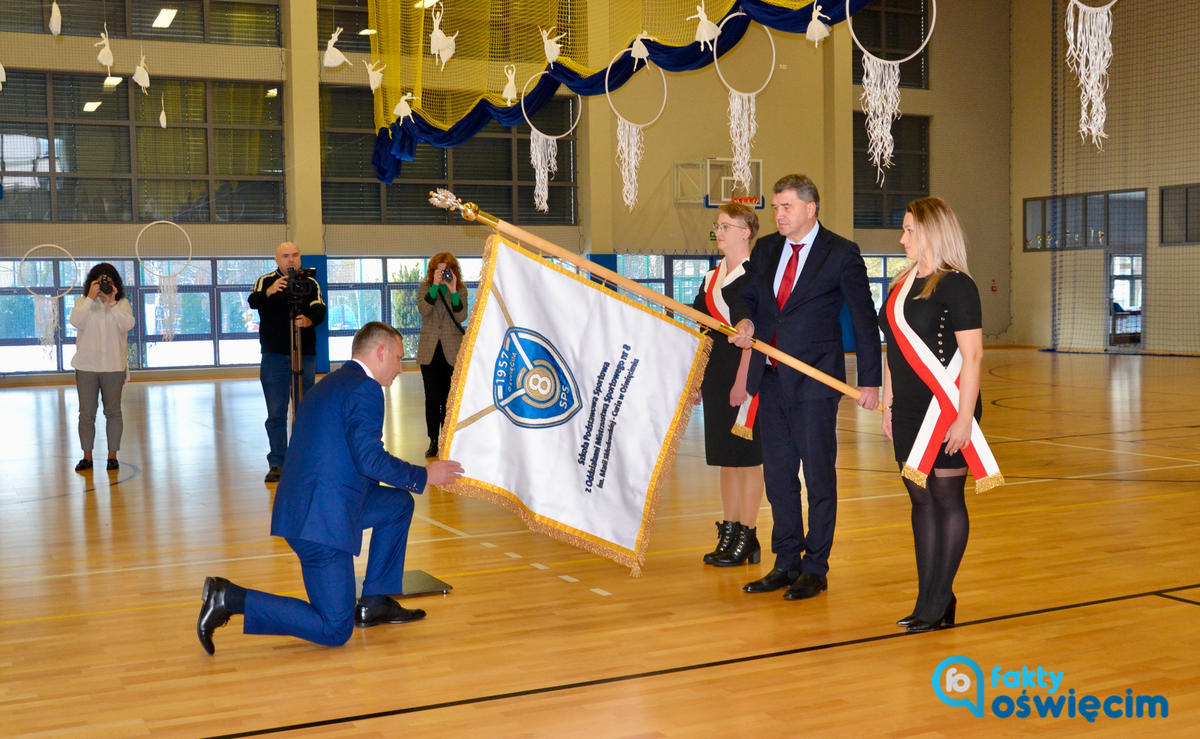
(277, 296)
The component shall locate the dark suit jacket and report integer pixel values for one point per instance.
(335, 457)
(809, 326)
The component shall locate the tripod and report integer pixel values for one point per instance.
(294, 346)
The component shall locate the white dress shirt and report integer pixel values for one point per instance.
(786, 254)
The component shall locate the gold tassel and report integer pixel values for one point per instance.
(912, 473)
(744, 432)
(989, 482)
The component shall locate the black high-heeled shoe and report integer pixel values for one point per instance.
(910, 618)
(946, 621)
(745, 548)
(726, 533)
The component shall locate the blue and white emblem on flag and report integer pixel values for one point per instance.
(531, 384)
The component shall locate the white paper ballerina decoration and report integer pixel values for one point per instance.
(55, 24)
(402, 109)
(881, 95)
(375, 74)
(551, 45)
(3, 77)
(162, 113)
(639, 52)
(105, 56)
(510, 87)
(141, 75)
(441, 45)
(333, 55)
(817, 31)
(1089, 51)
(706, 30)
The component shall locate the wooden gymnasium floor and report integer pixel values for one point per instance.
(1086, 563)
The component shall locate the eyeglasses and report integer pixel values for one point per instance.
(723, 227)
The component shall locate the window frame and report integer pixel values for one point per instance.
(886, 190)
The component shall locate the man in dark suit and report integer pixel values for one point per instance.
(328, 494)
(798, 280)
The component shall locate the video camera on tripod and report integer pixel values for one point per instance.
(300, 284)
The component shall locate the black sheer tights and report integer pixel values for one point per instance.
(940, 526)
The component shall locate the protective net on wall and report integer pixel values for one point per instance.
(1122, 220)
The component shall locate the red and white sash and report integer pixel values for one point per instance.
(943, 407)
(717, 308)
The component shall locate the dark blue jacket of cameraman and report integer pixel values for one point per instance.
(274, 311)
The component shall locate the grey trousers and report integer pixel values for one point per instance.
(109, 385)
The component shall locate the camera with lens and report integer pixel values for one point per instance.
(300, 283)
(105, 285)
(447, 275)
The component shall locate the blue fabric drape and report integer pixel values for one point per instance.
(398, 143)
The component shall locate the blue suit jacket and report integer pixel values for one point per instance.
(809, 326)
(335, 458)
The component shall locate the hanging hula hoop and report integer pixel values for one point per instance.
(525, 114)
(137, 249)
(924, 43)
(717, 63)
(1080, 3)
(21, 272)
(608, 97)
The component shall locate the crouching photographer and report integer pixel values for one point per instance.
(289, 305)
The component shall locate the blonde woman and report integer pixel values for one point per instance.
(727, 405)
(442, 303)
(933, 325)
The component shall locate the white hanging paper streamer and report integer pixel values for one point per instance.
(402, 109)
(743, 125)
(168, 300)
(45, 317)
(441, 45)
(881, 104)
(333, 55)
(3, 77)
(551, 45)
(706, 30)
(1089, 51)
(55, 19)
(105, 57)
(162, 114)
(375, 74)
(510, 87)
(629, 158)
(817, 31)
(141, 75)
(543, 155)
(639, 52)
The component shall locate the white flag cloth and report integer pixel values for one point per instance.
(568, 402)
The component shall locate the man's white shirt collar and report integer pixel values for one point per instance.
(365, 368)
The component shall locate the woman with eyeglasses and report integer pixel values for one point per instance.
(729, 440)
(102, 317)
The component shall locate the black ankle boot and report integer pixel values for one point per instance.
(726, 532)
(745, 548)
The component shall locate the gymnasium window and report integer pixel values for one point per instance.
(243, 22)
(219, 161)
(348, 15)
(1180, 212)
(1086, 221)
(492, 168)
(881, 205)
(893, 29)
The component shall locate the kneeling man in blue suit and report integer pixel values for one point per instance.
(328, 494)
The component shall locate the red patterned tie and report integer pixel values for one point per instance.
(789, 276)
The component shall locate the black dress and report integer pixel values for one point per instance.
(953, 306)
(723, 448)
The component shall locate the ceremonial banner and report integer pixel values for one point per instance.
(568, 402)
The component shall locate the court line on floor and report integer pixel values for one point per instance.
(1181, 600)
(688, 668)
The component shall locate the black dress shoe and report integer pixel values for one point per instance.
(910, 618)
(946, 621)
(745, 549)
(431, 450)
(390, 612)
(726, 533)
(806, 586)
(213, 612)
(273, 475)
(774, 580)
(83, 465)
(112, 464)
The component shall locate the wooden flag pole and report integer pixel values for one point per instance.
(443, 198)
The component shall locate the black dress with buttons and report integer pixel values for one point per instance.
(953, 306)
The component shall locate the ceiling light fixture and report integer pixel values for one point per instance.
(367, 32)
(111, 81)
(90, 107)
(165, 18)
(273, 92)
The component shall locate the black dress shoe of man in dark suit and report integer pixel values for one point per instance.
(387, 612)
(774, 580)
(214, 613)
(806, 586)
